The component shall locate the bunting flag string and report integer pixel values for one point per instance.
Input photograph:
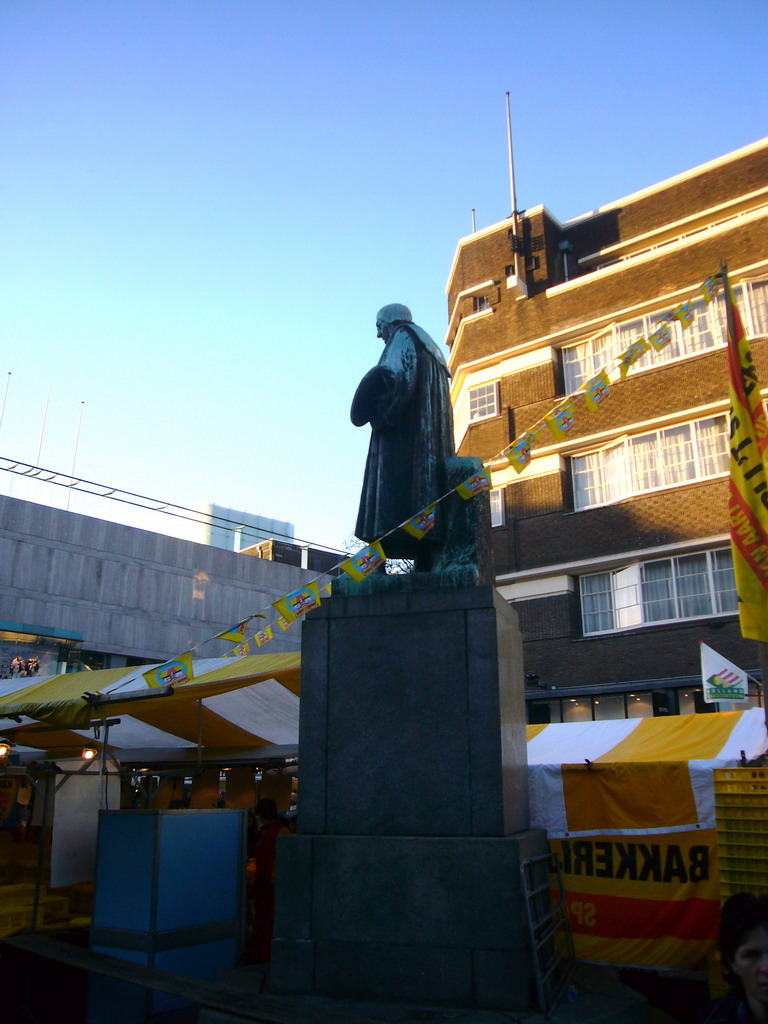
(475, 484)
(366, 561)
(557, 422)
(560, 419)
(171, 673)
(237, 633)
(263, 636)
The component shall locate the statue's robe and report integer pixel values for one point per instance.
(406, 400)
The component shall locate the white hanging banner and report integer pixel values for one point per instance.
(722, 679)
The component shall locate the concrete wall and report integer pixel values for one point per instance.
(131, 592)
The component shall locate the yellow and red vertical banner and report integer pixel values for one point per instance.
(748, 491)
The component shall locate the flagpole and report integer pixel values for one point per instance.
(520, 287)
(512, 191)
(74, 454)
(42, 427)
(5, 396)
(762, 650)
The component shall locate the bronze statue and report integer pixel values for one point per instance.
(406, 400)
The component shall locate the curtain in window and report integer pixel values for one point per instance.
(712, 444)
(677, 462)
(644, 463)
(626, 334)
(718, 315)
(658, 591)
(726, 599)
(580, 362)
(615, 476)
(700, 334)
(759, 304)
(573, 366)
(587, 480)
(693, 595)
(597, 602)
(675, 348)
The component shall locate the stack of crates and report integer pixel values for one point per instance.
(17, 904)
(741, 806)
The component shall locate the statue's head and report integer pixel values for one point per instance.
(388, 316)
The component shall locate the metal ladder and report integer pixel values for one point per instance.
(549, 928)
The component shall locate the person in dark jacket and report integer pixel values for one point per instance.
(744, 952)
(261, 880)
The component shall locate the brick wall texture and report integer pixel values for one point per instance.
(541, 529)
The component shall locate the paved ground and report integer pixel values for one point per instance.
(596, 996)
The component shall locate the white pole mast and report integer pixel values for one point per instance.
(5, 397)
(512, 192)
(42, 428)
(74, 454)
(518, 286)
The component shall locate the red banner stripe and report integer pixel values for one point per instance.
(626, 917)
(740, 525)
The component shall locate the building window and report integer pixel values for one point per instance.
(608, 707)
(666, 589)
(639, 705)
(479, 303)
(577, 709)
(484, 401)
(497, 506)
(707, 330)
(664, 458)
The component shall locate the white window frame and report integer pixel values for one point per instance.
(602, 350)
(612, 469)
(497, 506)
(488, 404)
(629, 600)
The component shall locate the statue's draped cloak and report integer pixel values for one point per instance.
(406, 399)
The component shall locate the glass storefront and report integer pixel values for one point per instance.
(635, 704)
(26, 654)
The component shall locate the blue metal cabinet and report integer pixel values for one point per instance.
(169, 894)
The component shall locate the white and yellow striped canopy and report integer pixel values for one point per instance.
(635, 774)
(231, 703)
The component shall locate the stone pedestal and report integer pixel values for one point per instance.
(404, 880)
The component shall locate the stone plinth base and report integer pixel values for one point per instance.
(417, 919)
(413, 716)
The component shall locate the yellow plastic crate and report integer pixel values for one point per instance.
(51, 908)
(14, 919)
(754, 828)
(80, 896)
(741, 807)
(741, 799)
(718, 986)
(740, 780)
(21, 892)
(737, 846)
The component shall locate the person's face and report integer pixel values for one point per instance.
(750, 963)
(383, 330)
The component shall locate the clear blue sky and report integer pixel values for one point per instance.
(203, 203)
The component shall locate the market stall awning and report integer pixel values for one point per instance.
(231, 702)
(629, 810)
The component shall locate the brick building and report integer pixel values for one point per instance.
(612, 543)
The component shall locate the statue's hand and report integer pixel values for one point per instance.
(372, 398)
